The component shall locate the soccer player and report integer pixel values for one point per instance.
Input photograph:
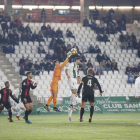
(4, 102)
(78, 99)
(54, 83)
(88, 83)
(72, 74)
(20, 106)
(137, 88)
(25, 95)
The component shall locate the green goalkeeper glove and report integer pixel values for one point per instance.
(69, 54)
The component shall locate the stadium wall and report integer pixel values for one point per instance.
(102, 105)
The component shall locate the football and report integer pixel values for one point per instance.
(73, 51)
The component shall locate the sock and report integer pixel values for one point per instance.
(10, 114)
(54, 101)
(20, 112)
(73, 99)
(81, 113)
(49, 100)
(26, 114)
(91, 111)
(70, 111)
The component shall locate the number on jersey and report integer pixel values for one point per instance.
(89, 83)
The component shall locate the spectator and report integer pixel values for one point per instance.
(127, 36)
(28, 29)
(138, 67)
(123, 26)
(139, 52)
(22, 71)
(97, 49)
(109, 30)
(76, 47)
(99, 70)
(49, 66)
(61, 58)
(136, 76)
(123, 18)
(53, 33)
(52, 43)
(59, 33)
(111, 12)
(128, 70)
(43, 15)
(99, 58)
(10, 37)
(84, 67)
(114, 65)
(83, 59)
(1, 17)
(37, 67)
(18, 23)
(26, 66)
(30, 64)
(129, 44)
(121, 37)
(133, 37)
(105, 57)
(59, 41)
(105, 38)
(15, 41)
(103, 65)
(40, 37)
(22, 61)
(94, 71)
(7, 18)
(131, 79)
(11, 49)
(28, 36)
(21, 28)
(69, 34)
(54, 56)
(135, 44)
(41, 49)
(108, 65)
(42, 66)
(89, 65)
(86, 22)
(48, 56)
(91, 49)
(43, 28)
(34, 71)
(135, 69)
(34, 36)
(93, 25)
(99, 37)
(95, 13)
(23, 37)
(48, 33)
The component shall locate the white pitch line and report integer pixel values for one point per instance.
(90, 132)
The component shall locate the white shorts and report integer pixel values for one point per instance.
(73, 83)
(18, 106)
(78, 100)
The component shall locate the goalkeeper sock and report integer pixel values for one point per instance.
(49, 100)
(81, 113)
(91, 111)
(54, 101)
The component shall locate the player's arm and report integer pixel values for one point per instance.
(99, 86)
(33, 86)
(15, 93)
(66, 61)
(15, 99)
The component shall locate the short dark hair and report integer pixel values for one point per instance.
(55, 61)
(76, 58)
(90, 71)
(28, 73)
(6, 82)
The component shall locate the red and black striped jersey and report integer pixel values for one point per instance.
(26, 85)
(5, 93)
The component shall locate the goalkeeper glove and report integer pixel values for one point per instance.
(69, 54)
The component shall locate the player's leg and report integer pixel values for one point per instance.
(55, 102)
(73, 99)
(9, 113)
(91, 111)
(82, 111)
(21, 110)
(48, 102)
(91, 100)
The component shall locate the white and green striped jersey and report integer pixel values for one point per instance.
(73, 70)
(17, 92)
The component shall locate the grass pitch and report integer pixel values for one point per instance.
(56, 127)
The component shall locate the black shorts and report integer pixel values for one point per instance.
(7, 105)
(27, 99)
(88, 97)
